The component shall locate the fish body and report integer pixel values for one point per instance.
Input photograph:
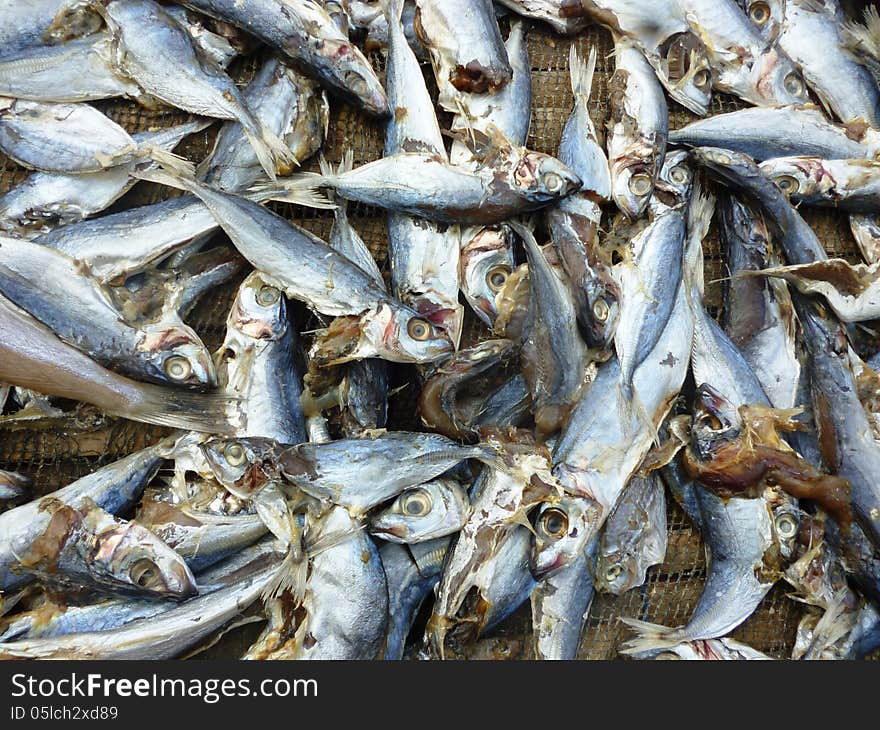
(564, 16)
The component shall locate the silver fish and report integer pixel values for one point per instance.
(411, 573)
(759, 317)
(74, 542)
(738, 534)
(465, 45)
(79, 70)
(289, 105)
(303, 31)
(151, 48)
(850, 185)
(634, 538)
(424, 256)
(45, 200)
(72, 138)
(423, 513)
(661, 30)
(51, 619)
(723, 649)
(255, 363)
(34, 276)
(328, 282)
(554, 355)
(845, 435)
(344, 612)
(648, 281)
(811, 34)
(517, 182)
(163, 636)
(742, 61)
(560, 606)
(32, 357)
(637, 129)
(151, 232)
(766, 132)
(574, 224)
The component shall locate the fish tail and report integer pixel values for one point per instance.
(302, 189)
(267, 147)
(393, 13)
(649, 637)
(171, 163)
(865, 37)
(290, 577)
(183, 409)
(582, 73)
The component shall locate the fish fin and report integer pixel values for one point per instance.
(582, 73)
(864, 36)
(183, 409)
(649, 637)
(161, 176)
(302, 189)
(270, 150)
(290, 577)
(171, 163)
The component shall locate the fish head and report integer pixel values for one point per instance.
(778, 81)
(732, 168)
(675, 180)
(767, 16)
(177, 355)
(397, 333)
(259, 310)
(244, 466)
(432, 510)
(603, 301)
(685, 71)
(541, 178)
(486, 264)
(130, 557)
(799, 177)
(617, 572)
(562, 529)
(358, 80)
(716, 421)
(633, 185)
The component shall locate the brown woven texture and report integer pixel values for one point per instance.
(55, 456)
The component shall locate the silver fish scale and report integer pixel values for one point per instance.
(54, 457)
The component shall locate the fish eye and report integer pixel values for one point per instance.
(554, 523)
(640, 184)
(419, 329)
(787, 184)
(144, 573)
(416, 503)
(177, 367)
(267, 296)
(234, 454)
(601, 310)
(355, 82)
(793, 84)
(711, 421)
(678, 175)
(612, 573)
(553, 182)
(701, 79)
(497, 277)
(760, 13)
(786, 527)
